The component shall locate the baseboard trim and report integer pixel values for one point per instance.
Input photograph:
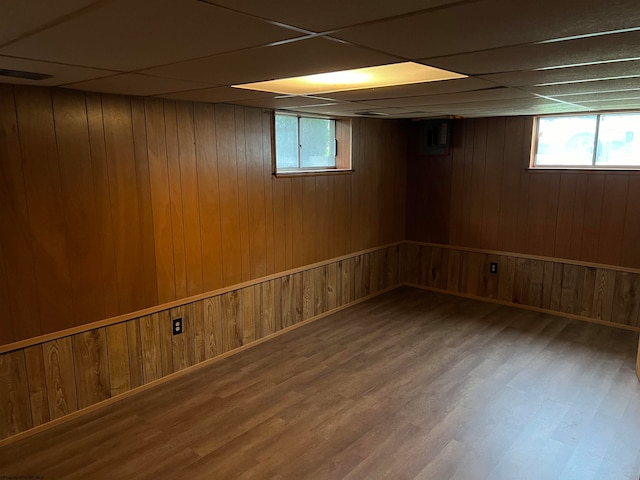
(525, 307)
(186, 371)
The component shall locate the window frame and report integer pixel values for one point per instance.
(593, 167)
(342, 134)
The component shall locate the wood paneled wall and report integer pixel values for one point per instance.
(112, 204)
(606, 295)
(50, 380)
(481, 195)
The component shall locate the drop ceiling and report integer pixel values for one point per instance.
(522, 57)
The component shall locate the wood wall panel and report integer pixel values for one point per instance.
(600, 294)
(91, 367)
(134, 348)
(630, 254)
(102, 192)
(48, 381)
(145, 207)
(160, 200)
(483, 195)
(76, 180)
(175, 195)
(7, 335)
(45, 208)
(166, 342)
(113, 204)
(213, 327)
(125, 214)
(14, 394)
(183, 346)
(255, 193)
(60, 377)
(38, 398)
(151, 354)
(15, 234)
(243, 198)
(228, 184)
(118, 347)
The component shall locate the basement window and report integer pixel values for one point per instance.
(596, 141)
(310, 145)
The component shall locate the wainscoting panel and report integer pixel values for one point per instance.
(601, 293)
(50, 380)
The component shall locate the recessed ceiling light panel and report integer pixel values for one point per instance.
(370, 77)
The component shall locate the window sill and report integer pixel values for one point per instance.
(603, 170)
(313, 173)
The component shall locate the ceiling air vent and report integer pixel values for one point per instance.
(25, 75)
(371, 114)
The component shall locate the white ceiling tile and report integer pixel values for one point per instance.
(60, 74)
(135, 84)
(417, 89)
(282, 102)
(586, 87)
(198, 49)
(340, 107)
(21, 17)
(304, 57)
(600, 105)
(584, 99)
(328, 14)
(544, 109)
(487, 24)
(129, 35)
(355, 110)
(493, 105)
(337, 109)
(585, 72)
(527, 57)
(454, 98)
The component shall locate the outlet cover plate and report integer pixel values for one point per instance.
(177, 326)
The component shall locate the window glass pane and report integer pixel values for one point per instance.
(567, 140)
(317, 137)
(619, 140)
(286, 141)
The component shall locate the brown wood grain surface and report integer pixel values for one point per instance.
(143, 182)
(60, 377)
(39, 159)
(125, 213)
(38, 393)
(101, 188)
(76, 180)
(15, 230)
(14, 394)
(114, 204)
(496, 202)
(580, 290)
(91, 365)
(118, 357)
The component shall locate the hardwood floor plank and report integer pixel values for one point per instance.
(408, 385)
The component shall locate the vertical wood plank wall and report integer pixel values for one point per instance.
(113, 204)
(49, 380)
(481, 195)
(601, 293)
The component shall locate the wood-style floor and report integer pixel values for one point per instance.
(409, 385)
